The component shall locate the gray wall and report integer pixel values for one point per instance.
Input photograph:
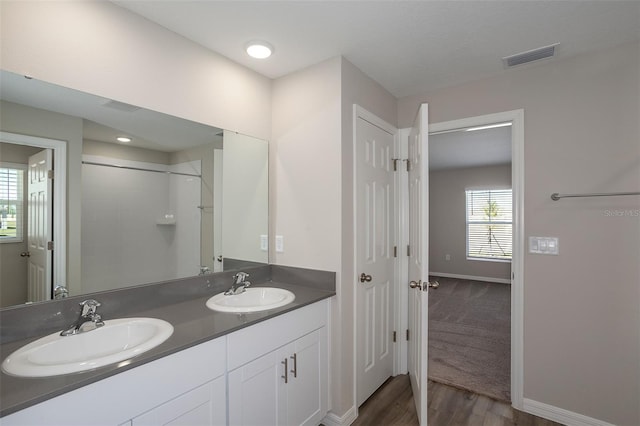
(581, 308)
(447, 220)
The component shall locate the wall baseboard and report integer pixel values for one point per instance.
(471, 277)
(560, 415)
(332, 419)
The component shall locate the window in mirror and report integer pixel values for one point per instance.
(11, 202)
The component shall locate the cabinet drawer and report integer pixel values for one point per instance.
(204, 405)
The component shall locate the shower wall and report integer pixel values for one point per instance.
(138, 226)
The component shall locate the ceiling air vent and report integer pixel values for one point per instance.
(530, 56)
(121, 106)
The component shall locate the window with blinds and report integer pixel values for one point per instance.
(11, 204)
(489, 224)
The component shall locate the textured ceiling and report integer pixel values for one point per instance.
(408, 47)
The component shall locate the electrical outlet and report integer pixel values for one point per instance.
(279, 244)
(447, 257)
(264, 242)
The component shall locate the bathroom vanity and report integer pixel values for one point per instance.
(217, 368)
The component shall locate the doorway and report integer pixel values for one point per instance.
(497, 275)
(471, 246)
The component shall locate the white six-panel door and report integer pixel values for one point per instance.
(418, 260)
(375, 262)
(39, 229)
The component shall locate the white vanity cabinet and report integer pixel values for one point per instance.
(235, 379)
(287, 385)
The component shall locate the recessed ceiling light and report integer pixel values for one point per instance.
(259, 49)
(123, 139)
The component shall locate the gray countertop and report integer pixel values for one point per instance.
(193, 323)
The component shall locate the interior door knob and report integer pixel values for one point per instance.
(364, 278)
(434, 285)
(417, 285)
(25, 254)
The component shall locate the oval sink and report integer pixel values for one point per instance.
(252, 300)
(117, 340)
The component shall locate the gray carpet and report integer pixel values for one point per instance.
(469, 336)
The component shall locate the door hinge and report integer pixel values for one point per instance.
(395, 251)
(394, 337)
(50, 245)
(407, 334)
(408, 251)
(408, 165)
(50, 174)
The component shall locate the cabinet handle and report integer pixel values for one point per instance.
(295, 365)
(286, 370)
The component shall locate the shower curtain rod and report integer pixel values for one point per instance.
(92, 163)
(555, 196)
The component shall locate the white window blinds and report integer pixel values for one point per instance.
(489, 224)
(11, 204)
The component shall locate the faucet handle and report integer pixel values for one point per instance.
(240, 277)
(89, 306)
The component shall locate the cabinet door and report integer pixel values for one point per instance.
(204, 405)
(305, 387)
(256, 392)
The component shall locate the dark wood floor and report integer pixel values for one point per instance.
(392, 405)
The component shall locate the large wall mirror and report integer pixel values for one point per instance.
(177, 199)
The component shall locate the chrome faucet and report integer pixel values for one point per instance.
(88, 319)
(239, 284)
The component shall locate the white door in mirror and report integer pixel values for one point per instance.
(116, 341)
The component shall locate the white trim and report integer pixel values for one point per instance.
(517, 262)
(359, 112)
(471, 277)
(332, 419)
(560, 415)
(59, 148)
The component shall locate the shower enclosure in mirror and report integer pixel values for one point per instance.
(178, 199)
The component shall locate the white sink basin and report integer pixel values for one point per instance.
(252, 300)
(117, 340)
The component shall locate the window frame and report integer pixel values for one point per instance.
(21, 210)
(487, 222)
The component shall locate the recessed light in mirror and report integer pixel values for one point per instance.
(123, 139)
(259, 49)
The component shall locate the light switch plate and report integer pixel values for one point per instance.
(543, 245)
(279, 244)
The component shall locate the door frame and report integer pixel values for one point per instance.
(360, 112)
(517, 262)
(59, 221)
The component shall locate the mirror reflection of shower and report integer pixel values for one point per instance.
(140, 221)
